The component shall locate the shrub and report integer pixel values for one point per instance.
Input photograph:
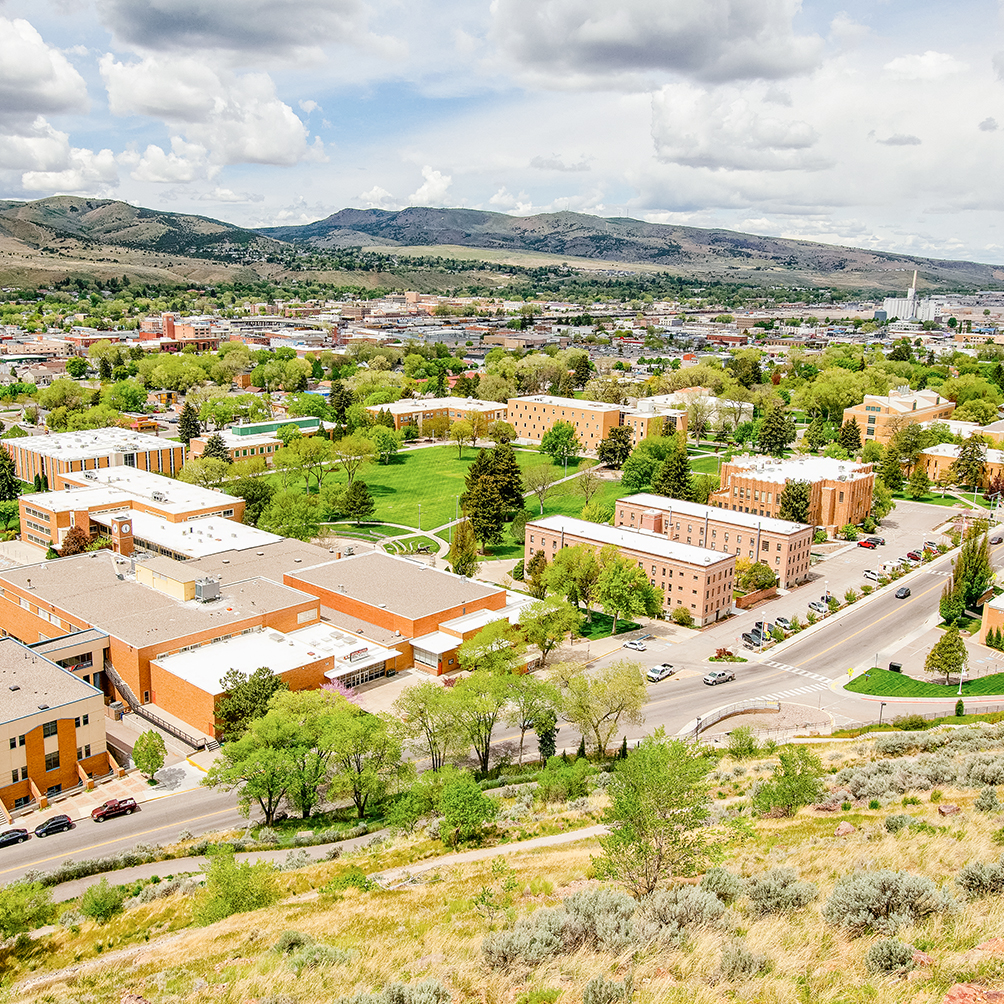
(987, 801)
(267, 835)
(937, 795)
(682, 616)
(900, 821)
(102, 901)
(882, 901)
(981, 878)
(600, 990)
(737, 962)
(352, 878)
(70, 918)
(742, 743)
(874, 804)
(289, 941)
(889, 955)
(235, 888)
(427, 992)
(533, 939)
(960, 708)
(910, 723)
(315, 956)
(598, 918)
(982, 770)
(560, 781)
(779, 891)
(666, 914)
(726, 885)
(466, 808)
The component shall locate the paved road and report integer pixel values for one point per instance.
(157, 822)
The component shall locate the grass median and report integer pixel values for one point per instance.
(882, 683)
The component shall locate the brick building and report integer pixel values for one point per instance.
(696, 578)
(783, 545)
(937, 462)
(533, 417)
(414, 411)
(840, 490)
(67, 453)
(52, 728)
(258, 439)
(880, 418)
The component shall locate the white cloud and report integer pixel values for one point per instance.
(85, 172)
(555, 163)
(226, 195)
(185, 162)
(584, 42)
(378, 198)
(308, 107)
(930, 65)
(433, 191)
(38, 147)
(237, 118)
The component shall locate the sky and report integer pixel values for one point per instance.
(872, 123)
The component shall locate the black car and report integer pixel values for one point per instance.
(16, 836)
(903, 592)
(54, 825)
(997, 539)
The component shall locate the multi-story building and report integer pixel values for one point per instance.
(937, 462)
(52, 728)
(415, 411)
(880, 418)
(258, 439)
(697, 579)
(840, 491)
(783, 545)
(64, 454)
(650, 418)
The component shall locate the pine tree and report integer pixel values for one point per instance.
(580, 753)
(624, 749)
(673, 477)
(795, 501)
(482, 465)
(45, 482)
(970, 466)
(507, 476)
(357, 502)
(188, 424)
(216, 449)
(36, 483)
(920, 483)
(849, 436)
(463, 555)
(815, 435)
(777, 432)
(890, 471)
(10, 483)
(486, 512)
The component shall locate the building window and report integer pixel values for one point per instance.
(13, 742)
(52, 760)
(48, 729)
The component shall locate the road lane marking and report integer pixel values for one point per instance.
(105, 843)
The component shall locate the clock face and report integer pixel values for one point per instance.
(125, 527)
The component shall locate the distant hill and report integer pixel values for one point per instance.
(684, 250)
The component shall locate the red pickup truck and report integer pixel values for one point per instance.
(114, 807)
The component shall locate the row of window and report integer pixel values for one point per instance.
(49, 729)
(31, 511)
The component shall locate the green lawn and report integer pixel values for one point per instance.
(882, 683)
(948, 500)
(602, 623)
(705, 465)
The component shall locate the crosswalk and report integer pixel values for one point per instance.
(796, 670)
(931, 571)
(820, 682)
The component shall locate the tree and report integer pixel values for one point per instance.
(616, 448)
(794, 502)
(815, 436)
(659, 805)
(699, 418)
(796, 781)
(482, 699)
(597, 701)
(77, 367)
(351, 453)
(485, 511)
(385, 443)
(463, 556)
(970, 466)
(10, 483)
(188, 424)
(149, 752)
(366, 756)
(245, 698)
(623, 589)
(882, 501)
(466, 808)
(952, 605)
(539, 480)
(890, 470)
(973, 567)
(574, 574)
(256, 492)
(849, 436)
(517, 528)
(545, 623)
(674, 477)
(259, 774)
(535, 575)
(588, 484)
(358, 502)
(76, 541)
(24, 906)
(462, 433)
(500, 432)
(948, 655)
(758, 576)
(561, 443)
(531, 700)
(497, 648)
(206, 472)
(920, 483)
(544, 727)
(216, 449)
(291, 514)
(777, 432)
(428, 722)
(507, 476)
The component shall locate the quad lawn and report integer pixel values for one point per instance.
(882, 683)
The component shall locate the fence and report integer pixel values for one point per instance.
(985, 709)
(743, 708)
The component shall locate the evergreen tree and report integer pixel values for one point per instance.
(45, 482)
(953, 602)
(970, 466)
(10, 483)
(188, 424)
(357, 502)
(890, 471)
(36, 483)
(580, 753)
(674, 478)
(535, 575)
(507, 477)
(384, 418)
(920, 483)
(544, 725)
(216, 449)
(486, 512)
(973, 569)
(616, 448)
(463, 556)
(777, 432)
(849, 436)
(482, 465)
(815, 435)
(794, 502)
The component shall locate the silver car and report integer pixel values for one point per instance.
(717, 676)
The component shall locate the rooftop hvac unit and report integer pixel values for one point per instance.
(158, 497)
(207, 590)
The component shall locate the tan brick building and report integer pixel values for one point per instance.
(533, 417)
(696, 578)
(415, 411)
(840, 490)
(880, 418)
(783, 545)
(937, 461)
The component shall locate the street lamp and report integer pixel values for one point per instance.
(962, 676)
(881, 706)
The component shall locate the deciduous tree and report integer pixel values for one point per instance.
(291, 514)
(482, 699)
(561, 443)
(497, 648)
(545, 624)
(539, 480)
(428, 722)
(149, 752)
(616, 448)
(948, 655)
(244, 698)
(794, 501)
(463, 556)
(366, 756)
(624, 589)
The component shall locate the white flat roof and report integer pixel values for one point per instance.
(694, 510)
(94, 443)
(477, 620)
(566, 402)
(952, 450)
(203, 667)
(638, 540)
(437, 642)
(408, 405)
(324, 640)
(800, 469)
(197, 538)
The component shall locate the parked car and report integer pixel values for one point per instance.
(54, 825)
(635, 646)
(114, 807)
(870, 573)
(915, 555)
(997, 539)
(909, 562)
(877, 540)
(932, 546)
(903, 592)
(717, 676)
(753, 639)
(15, 836)
(867, 543)
(764, 627)
(819, 607)
(661, 672)
(783, 623)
